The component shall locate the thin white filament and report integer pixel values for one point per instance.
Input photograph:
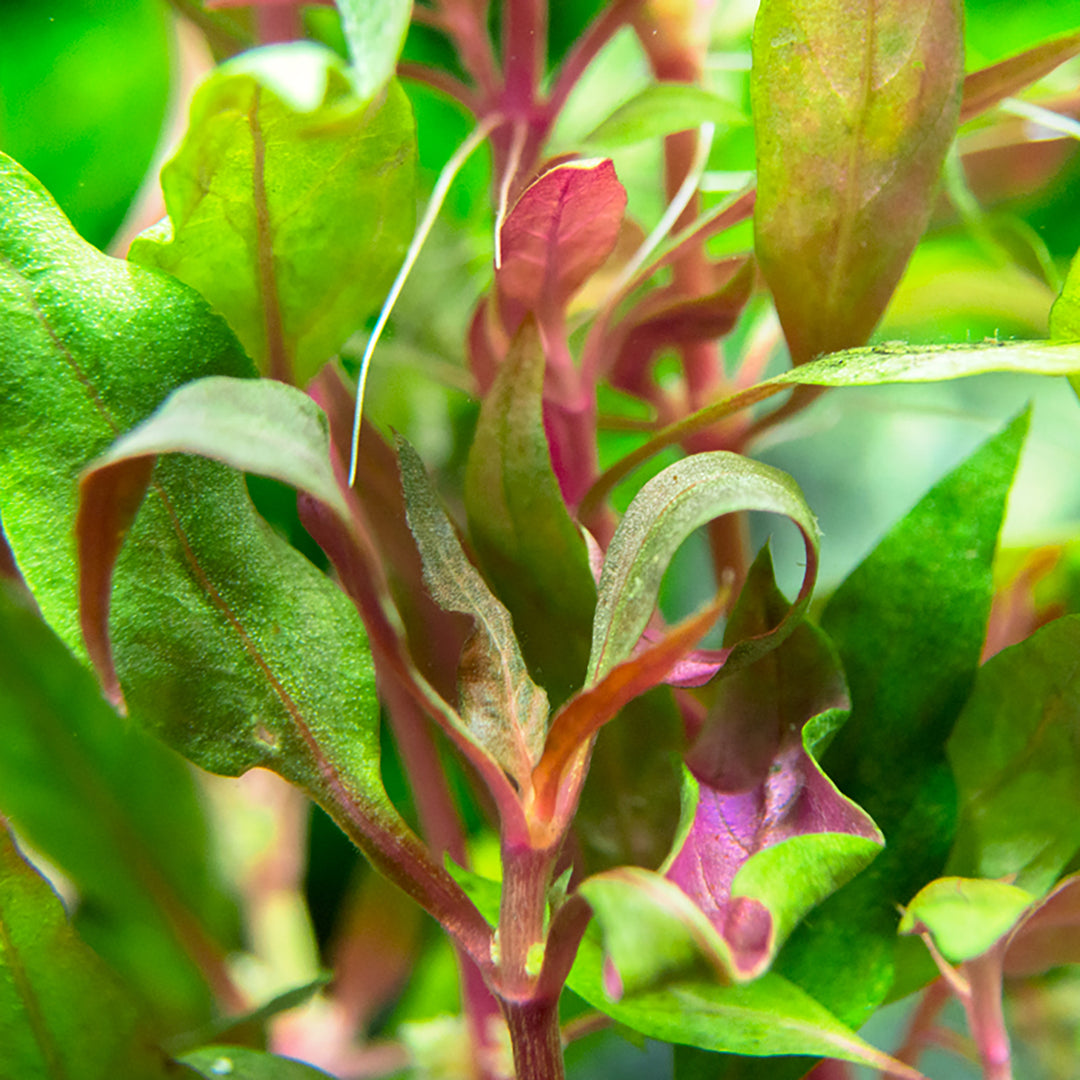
(686, 192)
(438, 197)
(1045, 118)
(513, 160)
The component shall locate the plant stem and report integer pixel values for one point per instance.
(535, 1038)
(986, 1017)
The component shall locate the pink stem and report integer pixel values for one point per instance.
(986, 1017)
(524, 49)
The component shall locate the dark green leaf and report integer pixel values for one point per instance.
(524, 536)
(63, 1015)
(375, 32)
(240, 1063)
(965, 916)
(290, 203)
(84, 86)
(504, 711)
(89, 347)
(855, 105)
(663, 109)
(85, 787)
(909, 624)
(1013, 753)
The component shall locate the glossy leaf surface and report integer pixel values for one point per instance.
(931, 571)
(85, 788)
(243, 1063)
(1013, 753)
(767, 1016)
(666, 510)
(559, 232)
(84, 87)
(855, 105)
(504, 711)
(663, 109)
(290, 203)
(518, 522)
(62, 1012)
(90, 346)
(375, 31)
(965, 916)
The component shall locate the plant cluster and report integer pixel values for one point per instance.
(737, 832)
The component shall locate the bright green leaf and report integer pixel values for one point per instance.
(767, 1016)
(290, 203)
(85, 787)
(375, 31)
(909, 624)
(505, 712)
(84, 87)
(855, 105)
(965, 916)
(663, 109)
(1065, 314)
(62, 1012)
(1013, 753)
(242, 1063)
(666, 510)
(522, 531)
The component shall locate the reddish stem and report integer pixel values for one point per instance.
(602, 29)
(462, 93)
(275, 23)
(921, 1025)
(524, 47)
(985, 1014)
(536, 1039)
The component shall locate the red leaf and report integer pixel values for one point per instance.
(560, 231)
(984, 89)
(1050, 935)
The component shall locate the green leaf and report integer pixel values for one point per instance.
(663, 109)
(202, 584)
(84, 86)
(62, 1012)
(504, 711)
(524, 536)
(241, 1063)
(842, 200)
(663, 514)
(965, 916)
(256, 426)
(767, 1016)
(909, 624)
(89, 347)
(891, 362)
(85, 788)
(375, 31)
(290, 203)
(1013, 753)
(1065, 314)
